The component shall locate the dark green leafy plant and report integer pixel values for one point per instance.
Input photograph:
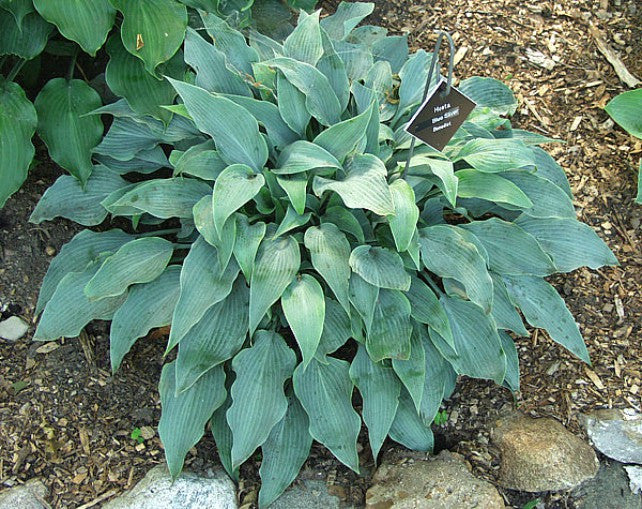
(626, 110)
(296, 257)
(145, 44)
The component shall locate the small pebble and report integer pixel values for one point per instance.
(50, 250)
(13, 328)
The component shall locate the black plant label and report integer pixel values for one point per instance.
(438, 118)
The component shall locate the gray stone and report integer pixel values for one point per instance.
(13, 328)
(541, 455)
(308, 494)
(441, 482)
(608, 490)
(30, 495)
(635, 478)
(157, 491)
(616, 434)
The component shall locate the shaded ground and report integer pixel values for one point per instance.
(65, 419)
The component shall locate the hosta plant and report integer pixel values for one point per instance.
(626, 110)
(146, 38)
(296, 257)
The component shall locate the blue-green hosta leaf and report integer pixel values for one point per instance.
(18, 8)
(126, 139)
(363, 187)
(70, 137)
(69, 310)
(284, 452)
(223, 434)
(367, 35)
(325, 391)
(292, 105)
(203, 284)
(295, 187)
(347, 16)
(446, 252)
(412, 371)
(426, 309)
(548, 199)
(230, 41)
(67, 198)
(544, 308)
(234, 187)
(303, 304)
(443, 172)
(625, 110)
(86, 22)
(344, 220)
(304, 43)
(166, 198)
(204, 223)
(504, 312)
(248, 239)
(356, 57)
(138, 261)
(380, 267)
(490, 93)
(510, 249)
(199, 160)
(388, 337)
(147, 306)
(291, 221)
(302, 156)
(408, 428)
(330, 253)
(234, 129)
(26, 41)
(570, 243)
(404, 221)
(336, 329)
(380, 389)
(217, 336)
(493, 156)
(392, 49)
(333, 68)
(277, 263)
(512, 361)
(364, 97)
(144, 162)
(209, 64)
(152, 30)
(413, 75)
(549, 169)
(343, 138)
(491, 187)
(18, 121)
(320, 100)
(479, 351)
(125, 74)
(438, 374)
(184, 415)
(364, 297)
(77, 254)
(267, 114)
(258, 400)
(265, 46)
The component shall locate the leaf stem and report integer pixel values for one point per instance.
(16, 69)
(72, 65)
(158, 232)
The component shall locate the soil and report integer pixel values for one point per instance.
(66, 419)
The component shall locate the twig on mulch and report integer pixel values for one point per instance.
(620, 69)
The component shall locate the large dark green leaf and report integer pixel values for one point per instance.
(258, 400)
(27, 41)
(184, 415)
(69, 135)
(85, 21)
(18, 121)
(18, 8)
(325, 391)
(152, 30)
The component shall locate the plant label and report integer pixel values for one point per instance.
(436, 121)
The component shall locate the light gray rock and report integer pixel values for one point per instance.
(635, 478)
(30, 495)
(608, 490)
(441, 482)
(157, 491)
(308, 494)
(13, 328)
(616, 434)
(541, 455)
